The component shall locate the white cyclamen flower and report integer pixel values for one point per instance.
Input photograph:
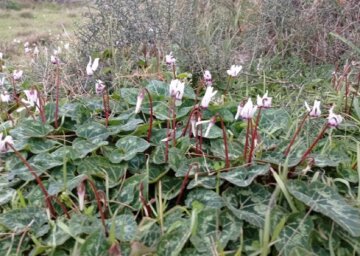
(264, 101)
(17, 75)
(27, 50)
(99, 87)
(36, 51)
(208, 96)
(32, 98)
(333, 119)
(210, 123)
(176, 89)
(315, 111)
(248, 110)
(238, 112)
(3, 146)
(1, 55)
(234, 70)
(169, 59)
(139, 101)
(2, 81)
(92, 67)
(67, 46)
(26, 44)
(5, 97)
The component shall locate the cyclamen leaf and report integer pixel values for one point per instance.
(327, 201)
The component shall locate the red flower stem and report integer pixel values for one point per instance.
(307, 152)
(62, 207)
(227, 162)
(192, 112)
(97, 197)
(185, 182)
(254, 135)
(14, 90)
(247, 138)
(151, 114)
(173, 110)
(167, 135)
(201, 134)
(38, 180)
(41, 107)
(143, 201)
(105, 109)
(57, 85)
(287, 151)
(174, 70)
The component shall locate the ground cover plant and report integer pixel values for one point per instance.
(164, 161)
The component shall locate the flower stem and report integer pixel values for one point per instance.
(307, 152)
(227, 162)
(105, 105)
(174, 70)
(151, 114)
(185, 182)
(247, 138)
(97, 197)
(173, 110)
(287, 151)
(57, 85)
(254, 135)
(143, 201)
(38, 180)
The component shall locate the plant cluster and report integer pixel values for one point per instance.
(168, 169)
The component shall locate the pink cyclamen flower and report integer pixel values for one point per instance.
(333, 119)
(207, 78)
(264, 101)
(234, 70)
(169, 59)
(92, 66)
(248, 111)
(54, 59)
(139, 101)
(5, 97)
(17, 74)
(208, 96)
(99, 87)
(315, 111)
(210, 123)
(81, 195)
(3, 143)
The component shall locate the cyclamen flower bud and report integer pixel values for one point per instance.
(81, 195)
(139, 101)
(92, 67)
